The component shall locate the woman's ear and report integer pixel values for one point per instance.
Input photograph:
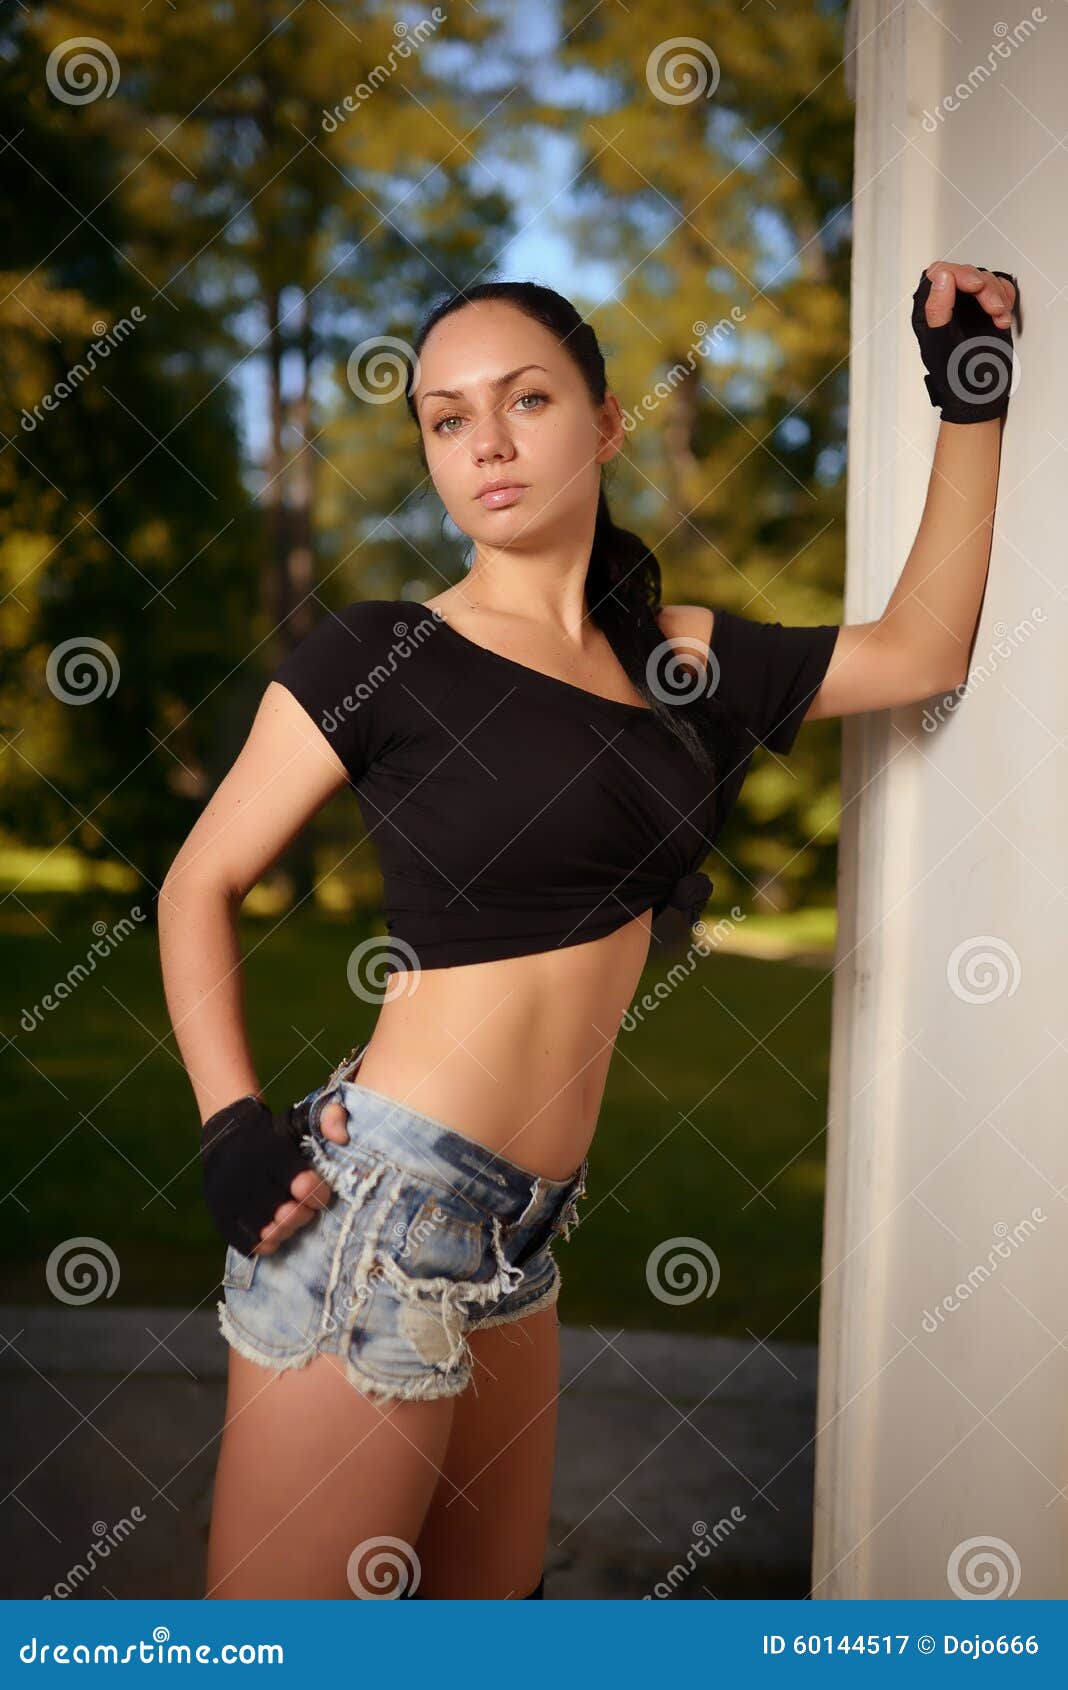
(612, 429)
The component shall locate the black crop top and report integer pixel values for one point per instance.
(512, 811)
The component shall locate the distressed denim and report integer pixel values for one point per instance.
(430, 1236)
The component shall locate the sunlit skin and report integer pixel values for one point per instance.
(541, 428)
(514, 1053)
(524, 597)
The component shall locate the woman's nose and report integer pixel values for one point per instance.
(490, 440)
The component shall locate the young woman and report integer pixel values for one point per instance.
(544, 756)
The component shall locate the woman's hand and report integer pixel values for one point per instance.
(310, 1192)
(993, 291)
(962, 317)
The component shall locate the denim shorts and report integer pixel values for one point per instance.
(431, 1235)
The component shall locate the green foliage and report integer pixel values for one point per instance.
(711, 1127)
(265, 188)
(729, 215)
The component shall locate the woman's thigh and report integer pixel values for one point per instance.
(320, 1491)
(485, 1532)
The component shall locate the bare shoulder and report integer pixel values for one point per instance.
(689, 628)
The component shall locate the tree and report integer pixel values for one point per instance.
(716, 174)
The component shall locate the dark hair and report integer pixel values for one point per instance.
(623, 575)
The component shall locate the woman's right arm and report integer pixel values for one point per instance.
(284, 773)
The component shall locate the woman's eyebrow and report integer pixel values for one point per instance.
(496, 383)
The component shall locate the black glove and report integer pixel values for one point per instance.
(969, 359)
(249, 1158)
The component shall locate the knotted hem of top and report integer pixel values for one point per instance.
(416, 947)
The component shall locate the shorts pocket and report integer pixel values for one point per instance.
(239, 1269)
(435, 1235)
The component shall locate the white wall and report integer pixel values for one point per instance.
(948, 1131)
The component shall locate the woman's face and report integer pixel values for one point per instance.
(537, 426)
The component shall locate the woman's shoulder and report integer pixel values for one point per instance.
(689, 628)
(693, 621)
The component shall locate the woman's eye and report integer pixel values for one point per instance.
(439, 427)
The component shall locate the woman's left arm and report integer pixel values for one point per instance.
(921, 643)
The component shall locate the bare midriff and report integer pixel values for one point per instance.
(514, 1054)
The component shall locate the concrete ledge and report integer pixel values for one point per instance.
(660, 1438)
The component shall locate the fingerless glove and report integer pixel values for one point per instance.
(969, 360)
(249, 1157)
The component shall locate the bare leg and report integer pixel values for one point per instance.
(486, 1529)
(309, 1470)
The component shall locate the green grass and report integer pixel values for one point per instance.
(712, 1126)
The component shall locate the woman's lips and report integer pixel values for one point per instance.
(500, 496)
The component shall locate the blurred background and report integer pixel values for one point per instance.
(220, 218)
